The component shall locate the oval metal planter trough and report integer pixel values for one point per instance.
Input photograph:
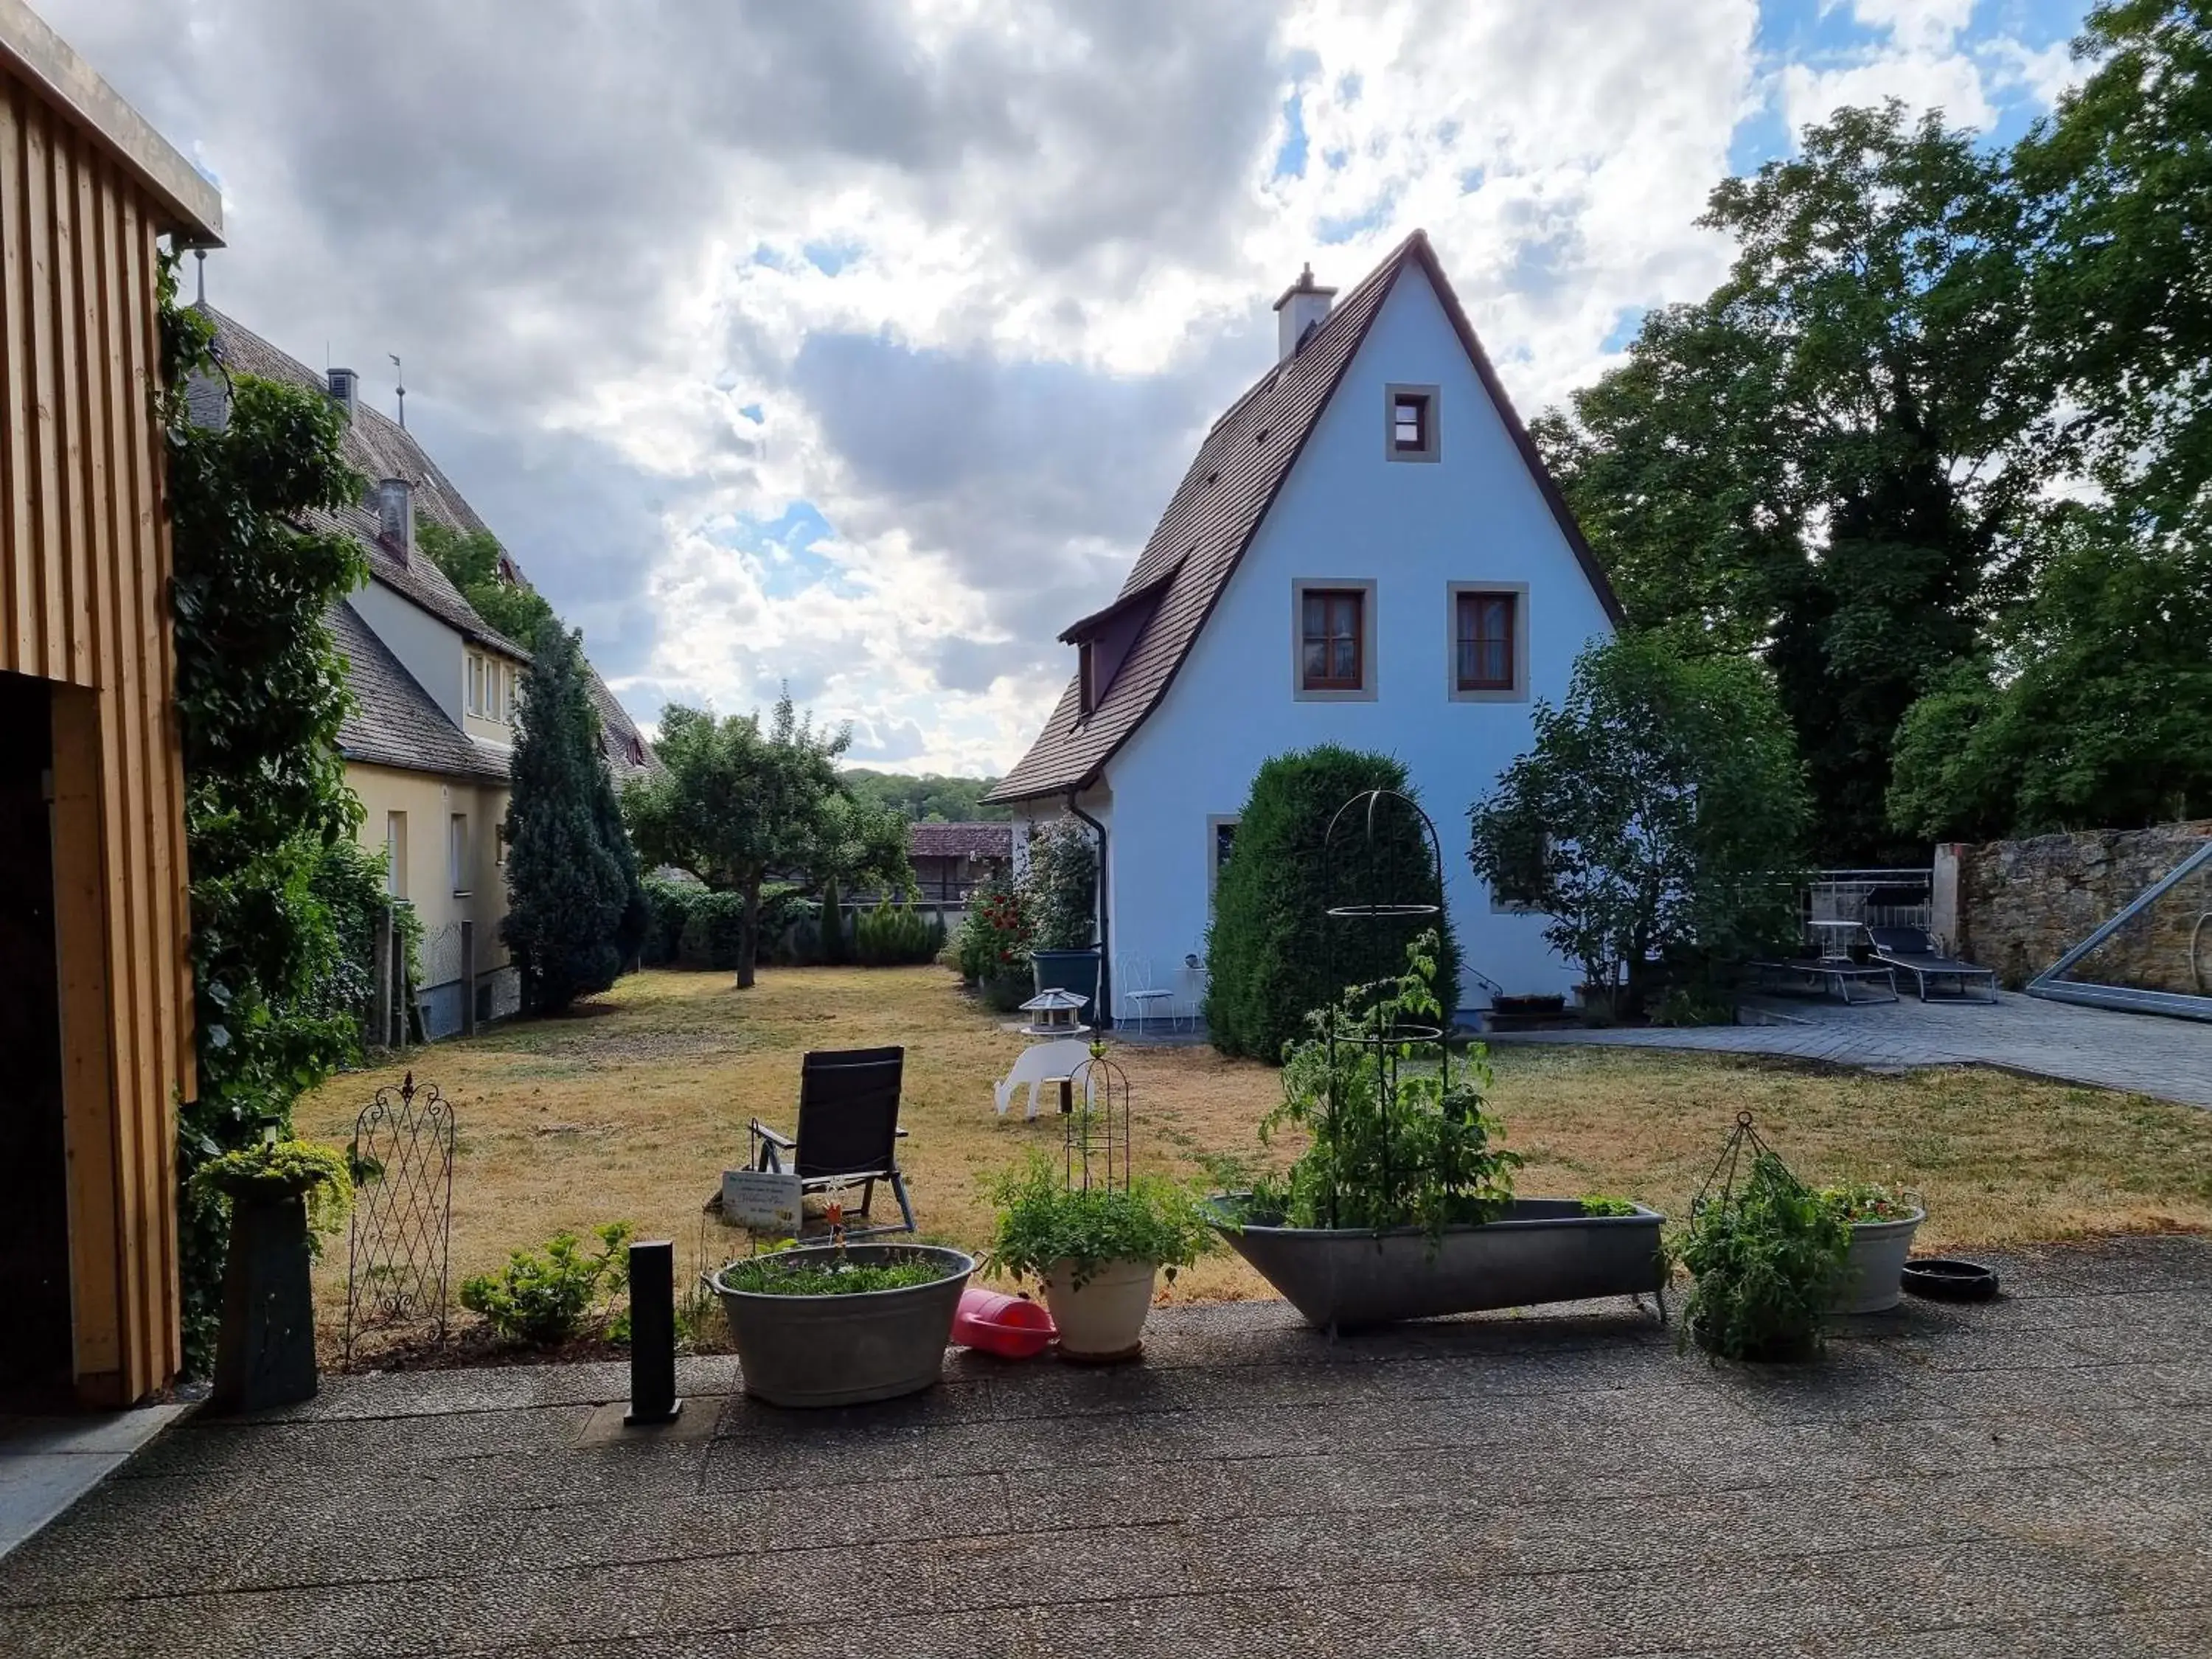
(847, 1350)
(1543, 1250)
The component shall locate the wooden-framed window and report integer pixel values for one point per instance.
(1086, 670)
(1331, 639)
(1410, 423)
(1484, 634)
(1487, 648)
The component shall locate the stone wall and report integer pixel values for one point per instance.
(2020, 905)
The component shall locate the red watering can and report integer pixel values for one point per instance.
(1012, 1326)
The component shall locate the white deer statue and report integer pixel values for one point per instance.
(1040, 1064)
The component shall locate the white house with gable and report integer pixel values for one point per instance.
(1367, 550)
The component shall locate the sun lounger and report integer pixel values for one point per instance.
(1837, 973)
(1910, 951)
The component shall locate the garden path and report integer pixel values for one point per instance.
(2032, 1478)
(2141, 1053)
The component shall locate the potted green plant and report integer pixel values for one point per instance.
(839, 1325)
(1401, 1206)
(1765, 1258)
(1060, 902)
(1097, 1251)
(1882, 1221)
(280, 1196)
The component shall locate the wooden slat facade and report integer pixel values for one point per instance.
(85, 565)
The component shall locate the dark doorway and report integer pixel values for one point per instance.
(35, 1251)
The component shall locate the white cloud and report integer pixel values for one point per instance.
(673, 276)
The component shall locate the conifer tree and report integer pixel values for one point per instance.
(575, 907)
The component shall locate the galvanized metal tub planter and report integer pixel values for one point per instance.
(846, 1350)
(1543, 1250)
(1873, 1273)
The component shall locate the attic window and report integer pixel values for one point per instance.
(1411, 431)
(1086, 669)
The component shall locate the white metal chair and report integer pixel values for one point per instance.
(1133, 976)
(1039, 1064)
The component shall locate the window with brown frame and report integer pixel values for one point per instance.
(1332, 639)
(1409, 422)
(1485, 635)
(1086, 668)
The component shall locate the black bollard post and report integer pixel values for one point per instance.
(652, 1335)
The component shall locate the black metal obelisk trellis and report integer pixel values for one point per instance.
(1372, 843)
(401, 1236)
(1094, 1125)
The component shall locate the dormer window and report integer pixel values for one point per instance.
(490, 688)
(1086, 670)
(1411, 434)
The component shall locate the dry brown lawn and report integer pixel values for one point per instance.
(630, 1109)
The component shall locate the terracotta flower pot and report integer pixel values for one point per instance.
(1105, 1319)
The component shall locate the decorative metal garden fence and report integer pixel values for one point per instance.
(401, 1237)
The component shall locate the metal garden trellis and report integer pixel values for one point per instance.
(1094, 1125)
(1379, 1027)
(400, 1240)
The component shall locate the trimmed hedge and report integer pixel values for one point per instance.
(1272, 954)
(692, 926)
(892, 936)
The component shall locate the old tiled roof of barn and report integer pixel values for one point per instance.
(954, 841)
(1219, 508)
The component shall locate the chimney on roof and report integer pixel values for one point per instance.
(345, 389)
(1304, 305)
(395, 516)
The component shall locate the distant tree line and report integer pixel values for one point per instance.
(930, 798)
(1938, 452)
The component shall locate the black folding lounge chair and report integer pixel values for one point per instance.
(1910, 951)
(849, 1132)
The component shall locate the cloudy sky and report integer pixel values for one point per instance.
(855, 344)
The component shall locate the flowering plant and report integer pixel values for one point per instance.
(1869, 1200)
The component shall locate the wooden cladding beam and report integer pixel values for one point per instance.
(85, 569)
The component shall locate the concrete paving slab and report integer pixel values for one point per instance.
(2023, 1478)
(2097, 1048)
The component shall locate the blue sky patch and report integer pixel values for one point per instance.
(1290, 157)
(831, 258)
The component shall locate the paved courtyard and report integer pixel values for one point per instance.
(2029, 1478)
(2142, 1053)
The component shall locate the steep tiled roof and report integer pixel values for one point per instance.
(378, 447)
(395, 722)
(1219, 508)
(955, 841)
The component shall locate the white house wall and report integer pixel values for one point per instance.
(1474, 515)
(432, 651)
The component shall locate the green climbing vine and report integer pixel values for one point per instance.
(268, 817)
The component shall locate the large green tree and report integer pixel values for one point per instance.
(576, 908)
(2123, 171)
(740, 801)
(2094, 709)
(1831, 459)
(260, 693)
(475, 564)
(1656, 819)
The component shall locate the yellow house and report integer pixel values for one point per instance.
(429, 744)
